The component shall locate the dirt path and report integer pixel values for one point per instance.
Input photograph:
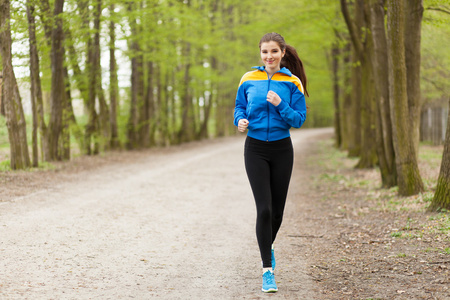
(177, 222)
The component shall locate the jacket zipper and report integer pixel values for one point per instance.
(268, 104)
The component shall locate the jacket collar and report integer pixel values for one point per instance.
(283, 70)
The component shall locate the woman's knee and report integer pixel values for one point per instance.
(264, 213)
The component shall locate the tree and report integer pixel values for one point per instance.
(15, 118)
(384, 144)
(441, 199)
(113, 83)
(92, 127)
(58, 93)
(408, 177)
(413, 29)
(36, 91)
(362, 118)
(2, 104)
(136, 79)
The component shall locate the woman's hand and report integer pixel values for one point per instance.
(242, 125)
(273, 98)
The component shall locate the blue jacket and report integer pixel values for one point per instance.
(268, 122)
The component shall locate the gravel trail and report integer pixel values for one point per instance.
(178, 224)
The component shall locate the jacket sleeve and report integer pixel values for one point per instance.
(295, 113)
(240, 109)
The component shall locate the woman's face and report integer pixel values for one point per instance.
(271, 55)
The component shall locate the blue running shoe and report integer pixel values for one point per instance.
(273, 260)
(269, 285)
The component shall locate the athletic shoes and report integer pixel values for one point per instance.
(268, 284)
(273, 260)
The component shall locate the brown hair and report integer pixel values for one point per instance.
(290, 59)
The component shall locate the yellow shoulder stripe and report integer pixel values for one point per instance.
(294, 79)
(253, 75)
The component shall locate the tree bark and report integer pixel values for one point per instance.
(413, 23)
(133, 117)
(368, 154)
(67, 117)
(104, 127)
(346, 98)
(92, 127)
(385, 147)
(150, 105)
(163, 100)
(441, 199)
(335, 52)
(408, 177)
(354, 118)
(2, 104)
(35, 79)
(15, 119)
(58, 93)
(113, 85)
(187, 130)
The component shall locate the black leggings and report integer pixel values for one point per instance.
(269, 168)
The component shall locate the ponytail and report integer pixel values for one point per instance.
(290, 60)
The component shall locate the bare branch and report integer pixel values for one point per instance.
(438, 9)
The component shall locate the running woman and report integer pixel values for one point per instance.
(270, 100)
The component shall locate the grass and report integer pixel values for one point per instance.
(340, 171)
(430, 155)
(42, 166)
(5, 165)
(4, 142)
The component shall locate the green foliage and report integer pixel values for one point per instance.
(4, 142)
(435, 83)
(5, 165)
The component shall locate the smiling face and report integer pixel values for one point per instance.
(271, 56)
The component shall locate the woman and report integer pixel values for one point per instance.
(270, 100)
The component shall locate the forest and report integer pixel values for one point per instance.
(81, 77)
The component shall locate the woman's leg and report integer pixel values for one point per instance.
(281, 170)
(258, 172)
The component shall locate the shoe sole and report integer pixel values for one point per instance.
(270, 290)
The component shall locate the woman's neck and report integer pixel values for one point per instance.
(270, 72)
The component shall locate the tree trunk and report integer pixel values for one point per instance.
(354, 118)
(34, 78)
(408, 177)
(441, 198)
(335, 52)
(413, 23)
(368, 154)
(346, 98)
(385, 147)
(133, 118)
(187, 130)
(15, 119)
(203, 133)
(58, 94)
(113, 85)
(66, 119)
(2, 103)
(150, 99)
(92, 127)
(142, 133)
(103, 116)
(163, 100)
